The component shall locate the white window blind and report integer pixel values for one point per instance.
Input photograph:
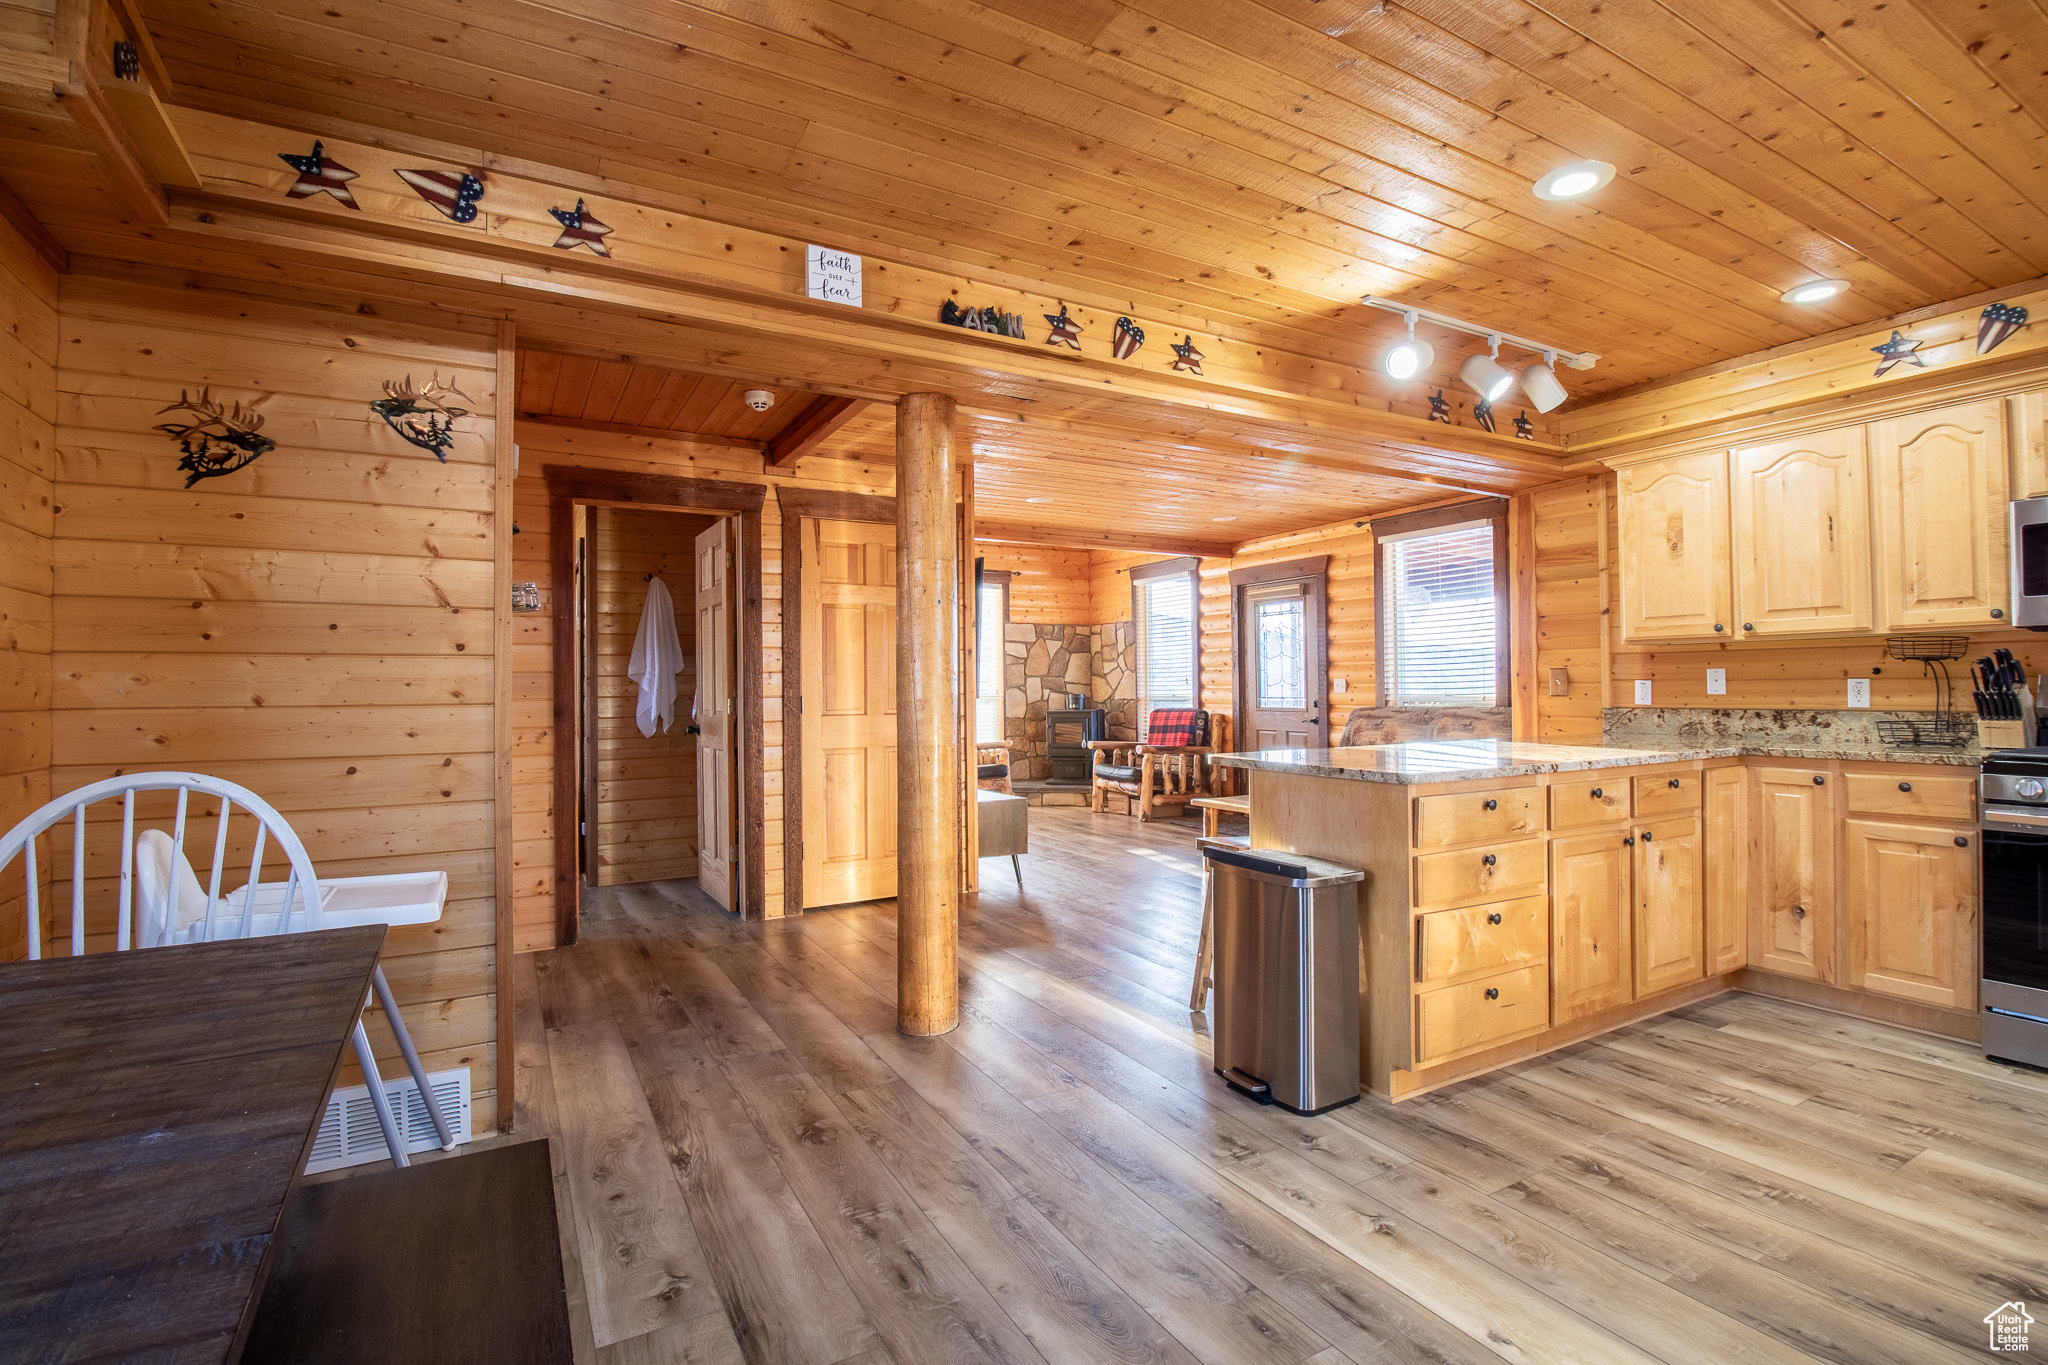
(1442, 621)
(988, 662)
(1166, 644)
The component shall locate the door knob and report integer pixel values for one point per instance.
(1494, 918)
(1493, 992)
(1819, 781)
(1597, 793)
(1674, 784)
(1718, 627)
(1488, 860)
(1905, 786)
(1961, 842)
(1646, 836)
(1629, 842)
(1493, 805)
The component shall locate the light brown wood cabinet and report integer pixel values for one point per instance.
(1792, 915)
(1726, 909)
(1675, 571)
(2027, 414)
(1590, 920)
(1912, 911)
(1939, 486)
(1800, 532)
(1668, 899)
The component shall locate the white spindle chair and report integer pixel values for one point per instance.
(157, 917)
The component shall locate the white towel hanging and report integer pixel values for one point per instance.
(657, 658)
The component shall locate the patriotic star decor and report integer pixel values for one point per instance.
(1186, 357)
(1997, 322)
(318, 175)
(1525, 430)
(1126, 340)
(1439, 407)
(454, 193)
(1900, 350)
(1064, 329)
(581, 228)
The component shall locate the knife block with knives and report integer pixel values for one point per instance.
(2006, 715)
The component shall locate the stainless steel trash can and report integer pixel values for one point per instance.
(1286, 1012)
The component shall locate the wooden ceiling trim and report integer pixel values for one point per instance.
(1011, 533)
(826, 414)
(654, 433)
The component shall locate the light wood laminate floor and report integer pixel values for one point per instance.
(753, 1165)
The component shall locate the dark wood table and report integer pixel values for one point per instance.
(156, 1108)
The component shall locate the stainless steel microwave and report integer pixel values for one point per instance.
(2030, 563)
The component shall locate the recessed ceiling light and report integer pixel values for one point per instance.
(1223, 518)
(1038, 499)
(1575, 181)
(1814, 291)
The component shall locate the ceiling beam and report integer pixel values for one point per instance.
(1067, 537)
(826, 414)
(653, 433)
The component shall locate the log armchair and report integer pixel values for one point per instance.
(992, 765)
(1168, 771)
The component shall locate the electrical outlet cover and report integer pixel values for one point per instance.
(1859, 692)
(1642, 691)
(1717, 682)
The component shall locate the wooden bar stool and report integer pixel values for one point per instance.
(1205, 950)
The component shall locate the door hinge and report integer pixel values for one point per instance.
(732, 853)
(728, 706)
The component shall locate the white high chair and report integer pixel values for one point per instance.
(172, 909)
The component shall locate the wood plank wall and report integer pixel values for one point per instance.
(646, 786)
(28, 410)
(1049, 586)
(542, 444)
(1570, 552)
(317, 626)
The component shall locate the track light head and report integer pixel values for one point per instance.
(1539, 383)
(1484, 376)
(1407, 358)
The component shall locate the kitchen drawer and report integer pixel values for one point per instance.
(1931, 795)
(1468, 817)
(1451, 1020)
(1486, 872)
(1589, 802)
(1481, 938)
(1671, 794)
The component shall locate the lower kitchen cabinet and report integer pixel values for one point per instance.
(1792, 915)
(1589, 924)
(1912, 911)
(1668, 903)
(1726, 881)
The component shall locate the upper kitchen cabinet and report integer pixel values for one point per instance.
(1675, 578)
(1940, 500)
(1801, 535)
(2029, 414)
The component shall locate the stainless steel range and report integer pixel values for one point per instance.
(2014, 791)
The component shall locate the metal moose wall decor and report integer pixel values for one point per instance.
(221, 440)
(423, 416)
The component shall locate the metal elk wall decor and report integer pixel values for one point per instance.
(220, 440)
(423, 415)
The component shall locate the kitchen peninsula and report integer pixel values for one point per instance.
(1519, 897)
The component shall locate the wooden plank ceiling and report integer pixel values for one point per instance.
(1256, 163)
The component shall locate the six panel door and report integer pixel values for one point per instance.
(1792, 913)
(1674, 550)
(1912, 908)
(849, 711)
(1940, 484)
(1669, 948)
(1589, 924)
(1801, 536)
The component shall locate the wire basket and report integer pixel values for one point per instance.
(1938, 730)
(1926, 648)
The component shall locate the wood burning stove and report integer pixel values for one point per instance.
(1066, 737)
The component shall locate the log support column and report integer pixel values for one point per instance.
(927, 718)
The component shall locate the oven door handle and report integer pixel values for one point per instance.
(2025, 821)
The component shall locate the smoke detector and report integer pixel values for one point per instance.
(760, 400)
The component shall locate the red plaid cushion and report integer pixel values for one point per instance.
(1178, 729)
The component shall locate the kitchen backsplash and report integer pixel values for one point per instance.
(1660, 726)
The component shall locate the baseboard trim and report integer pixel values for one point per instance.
(1967, 1025)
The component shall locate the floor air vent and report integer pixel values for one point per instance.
(349, 1135)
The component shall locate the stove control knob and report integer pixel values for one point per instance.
(2031, 787)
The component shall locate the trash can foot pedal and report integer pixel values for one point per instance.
(1245, 1083)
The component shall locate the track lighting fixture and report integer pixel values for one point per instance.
(1406, 359)
(1484, 376)
(1539, 384)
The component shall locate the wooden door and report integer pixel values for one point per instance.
(1940, 481)
(1792, 918)
(1801, 535)
(1912, 910)
(2029, 418)
(1669, 905)
(1726, 855)
(717, 848)
(1283, 662)
(1676, 578)
(1589, 924)
(849, 711)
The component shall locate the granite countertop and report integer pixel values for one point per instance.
(1467, 760)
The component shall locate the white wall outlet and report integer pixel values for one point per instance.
(1859, 692)
(1642, 691)
(1717, 682)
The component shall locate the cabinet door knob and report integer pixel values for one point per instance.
(1718, 627)
(1488, 860)
(1646, 836)
(1798, 912)
(1493, 992)
(1997, 613)
(1961, 842)
(1597, 793)
(1819, 781)
(1629, 842)
(1493, 805)
(1747, 626)
(1674, 784)
(1494, 918)
(1905, 786)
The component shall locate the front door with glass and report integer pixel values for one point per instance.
(1282, 657)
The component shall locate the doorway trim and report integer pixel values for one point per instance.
(567, 486)
(822, 504)
(1285, 571)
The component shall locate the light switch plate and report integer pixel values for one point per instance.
(1859, 692)
(1340, 685)
(1642, 691)
(1560, 683)
(1717, 682)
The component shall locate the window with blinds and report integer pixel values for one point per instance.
(1166, 644)
(1442, 620)
(990, 615)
